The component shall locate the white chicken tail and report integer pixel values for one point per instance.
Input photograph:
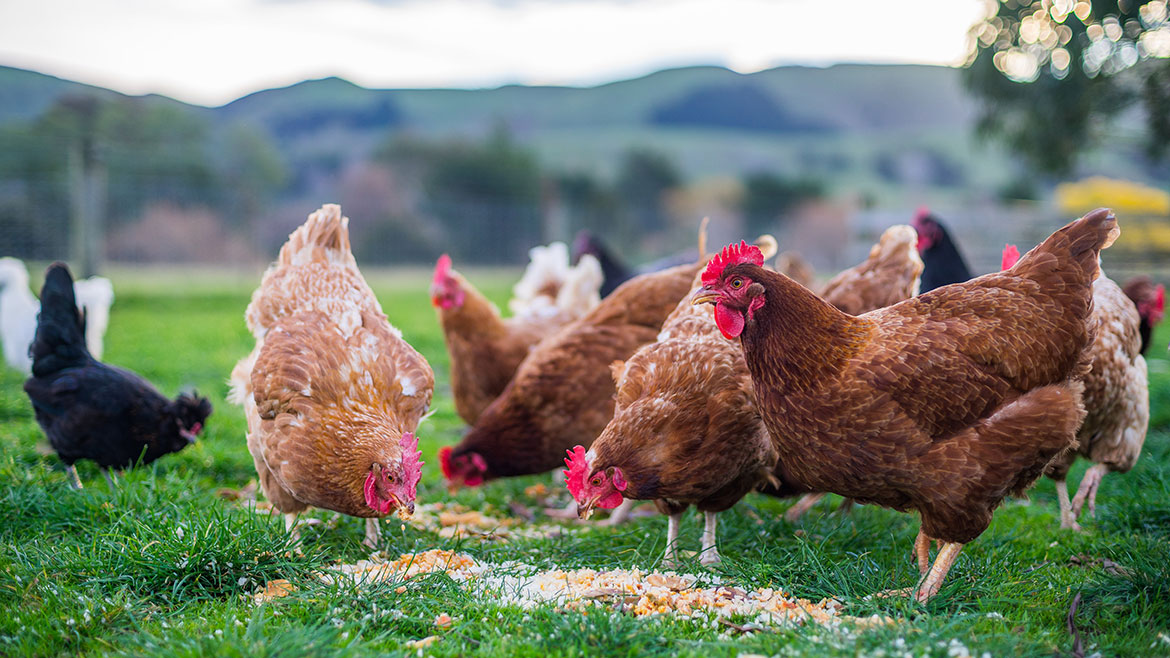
(548, 267)
(582, 288)
(323, 237)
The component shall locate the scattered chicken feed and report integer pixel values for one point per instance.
(634, 591)
(451, 520)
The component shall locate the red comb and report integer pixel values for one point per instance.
(578, 469)
(921, 214)
(442, 269)
(732, 254)
(411, 464)
(1160, 304)
(1010, 256)
(445, 461)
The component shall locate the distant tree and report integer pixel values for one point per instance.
(644, 178)
(591, 203)
(768, 197)
(1052, 73)
(485, 194)
(250, 170)
(152, 151)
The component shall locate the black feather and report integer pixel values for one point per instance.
(90, 410)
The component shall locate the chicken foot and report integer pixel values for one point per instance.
(933, 579)
(1088, 490)
(1068, 520)
(709, 554)
(671, 559)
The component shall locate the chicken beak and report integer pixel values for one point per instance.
(705, 295)
(585, 511)
(402, 510)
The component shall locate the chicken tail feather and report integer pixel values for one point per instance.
(60, 337)
(325, 236)
(1079, 243)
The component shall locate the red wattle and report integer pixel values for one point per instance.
(445, 461)
(372, 501)
(730, 322)
(611, 501)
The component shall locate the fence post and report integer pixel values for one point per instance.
(87, 183)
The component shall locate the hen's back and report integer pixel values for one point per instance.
(315, 271)
(975, 344)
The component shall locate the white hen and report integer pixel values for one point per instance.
(19, 308)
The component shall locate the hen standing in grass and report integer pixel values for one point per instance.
(686, 430)
(331, 392)
(486, 349)
(944, 403)
(90, 410)
(1117, 398)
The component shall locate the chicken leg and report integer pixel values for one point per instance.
(922, 552)
(74, 480)
(1088, 490)
(709, 554)
(671, 560)
(801, 506)
(373, 534)
(111, 478)
(1068, 520)
(933, 579)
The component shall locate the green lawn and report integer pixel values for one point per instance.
(164, 566)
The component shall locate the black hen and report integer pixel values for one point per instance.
(91, 410)
(942, 264)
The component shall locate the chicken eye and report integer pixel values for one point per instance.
(737, 283)
(596, 481)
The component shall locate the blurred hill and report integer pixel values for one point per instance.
(713, 120)
(434, 170)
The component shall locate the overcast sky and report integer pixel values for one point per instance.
(212, 51)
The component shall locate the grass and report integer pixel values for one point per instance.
(163, 566)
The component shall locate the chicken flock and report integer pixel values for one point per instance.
(901, 382)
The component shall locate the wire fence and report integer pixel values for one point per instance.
(143, 224)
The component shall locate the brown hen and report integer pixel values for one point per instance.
(331, 392)
(686, 430)
(485, 348)
(562, 393)
(944, 403)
